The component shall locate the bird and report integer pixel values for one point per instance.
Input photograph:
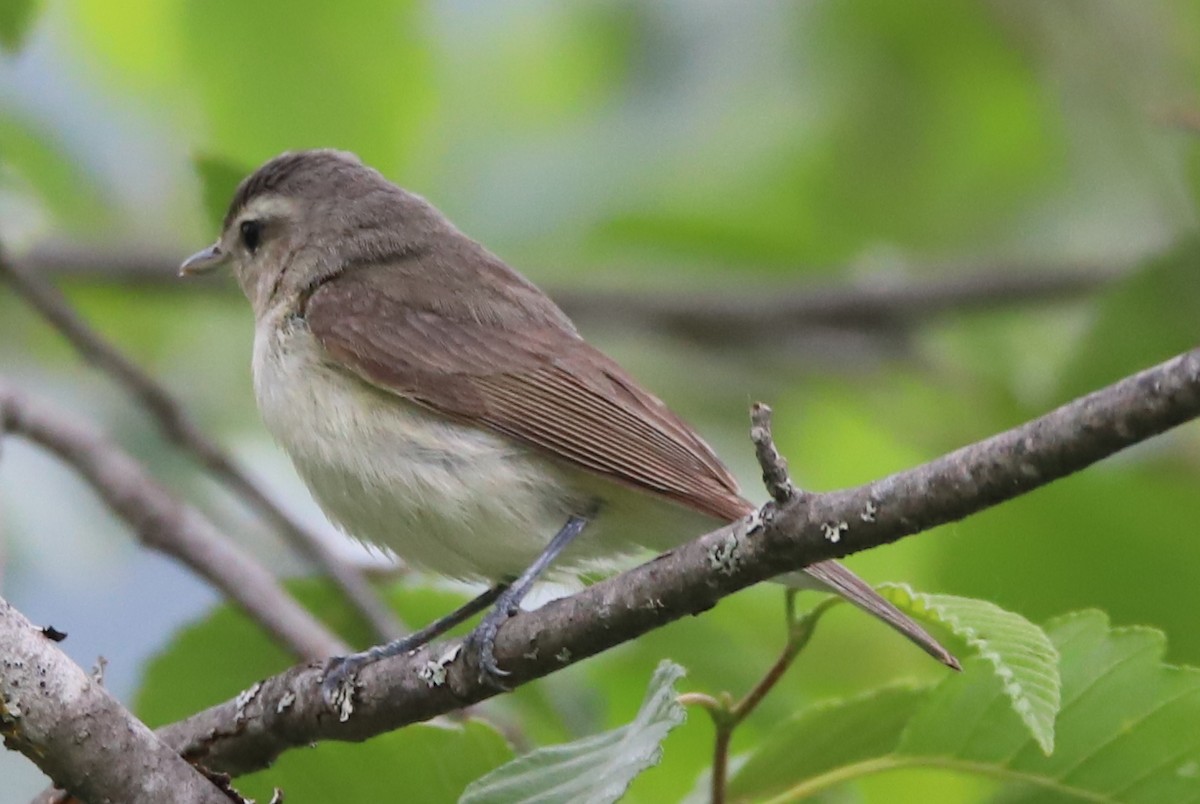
(438, 404)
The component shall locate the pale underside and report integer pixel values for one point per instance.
(445, 497)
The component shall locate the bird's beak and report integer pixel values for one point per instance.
(203, 261)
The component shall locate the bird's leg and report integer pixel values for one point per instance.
(508, 603)
(337, 683)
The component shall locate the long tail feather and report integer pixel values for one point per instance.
(841, 580)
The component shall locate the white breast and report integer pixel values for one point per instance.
(443, 496)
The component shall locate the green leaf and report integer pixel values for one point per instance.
(595, 769)
(1126, 731)
(427, 763)
(219, 178)
(15, 19)
(1022, 655)
(828, 736)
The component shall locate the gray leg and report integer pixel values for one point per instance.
(341, 669)
(508, 603)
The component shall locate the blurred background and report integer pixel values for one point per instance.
(906, 226)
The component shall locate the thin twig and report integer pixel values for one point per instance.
(727, 717)
(697, 699)
(288, 710)
(179, 428)
(774, 466)
(800, 631)
(77, 733)
(720, 765)
(165, 524)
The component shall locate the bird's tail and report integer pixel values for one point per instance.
(837, 578)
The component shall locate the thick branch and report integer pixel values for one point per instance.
(180, 429)
(287, 710)
(163, 523)
(77, 733)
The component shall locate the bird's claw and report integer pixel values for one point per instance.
(482, 642)
(339, 682)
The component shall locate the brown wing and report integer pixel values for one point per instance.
(518, 368)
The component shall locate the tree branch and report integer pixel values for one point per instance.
(880, 306)
(182, 431)
(718, 318)
(774, 466)
(287, 710)
(77, 733)
(163, 523)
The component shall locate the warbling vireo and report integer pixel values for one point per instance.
(439, 405)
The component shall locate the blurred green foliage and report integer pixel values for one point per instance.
(665, 148)
(15, 17)
(429, 763)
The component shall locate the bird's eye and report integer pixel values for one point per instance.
(251, 234)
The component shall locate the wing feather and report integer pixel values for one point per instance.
(530, 377)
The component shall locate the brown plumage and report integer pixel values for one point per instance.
(396, 297)
(541, 384)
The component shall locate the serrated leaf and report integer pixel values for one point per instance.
(595, 770)
(15, 19)
(1021, 654)
(1126, 730)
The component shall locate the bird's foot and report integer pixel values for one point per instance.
(340, 681)
(482, 642)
